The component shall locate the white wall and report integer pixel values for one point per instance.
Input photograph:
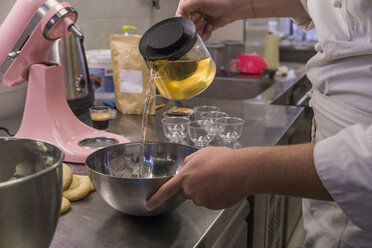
(98, 19)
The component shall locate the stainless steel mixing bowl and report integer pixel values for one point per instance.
(110, 170)
(30, 192)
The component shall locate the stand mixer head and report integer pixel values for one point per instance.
(26, 36)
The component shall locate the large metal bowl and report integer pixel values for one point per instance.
(108, 169)
(30, 192)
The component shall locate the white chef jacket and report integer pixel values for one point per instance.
(341, 74)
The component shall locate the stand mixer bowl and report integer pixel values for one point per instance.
(30, 192)
(110, 170)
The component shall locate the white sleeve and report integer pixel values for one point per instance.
(305, 23)
(344, 165)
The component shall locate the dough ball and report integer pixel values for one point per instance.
(80, 187)
(65, 205)
(66, 176)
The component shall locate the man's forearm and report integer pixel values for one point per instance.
(274, 8)
(284, 170)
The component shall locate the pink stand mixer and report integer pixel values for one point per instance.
(26, 35)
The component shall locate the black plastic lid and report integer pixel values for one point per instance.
(169, 39)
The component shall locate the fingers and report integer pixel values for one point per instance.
(196, 17)
(197, 202)
(168, 189)
(165, 192)
(190, 9)
(188, 158)
(220, 22)
(199, 21)
(181, 12)
(207, 32)
(186, 7)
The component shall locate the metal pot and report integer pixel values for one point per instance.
(30, 192)
(69, 52)
(217, 51)
(233, 48)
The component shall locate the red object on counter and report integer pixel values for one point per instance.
(251, 63)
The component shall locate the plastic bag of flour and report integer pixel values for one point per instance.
(131, 75)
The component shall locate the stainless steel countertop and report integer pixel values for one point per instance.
(281, 85)
(92, 223)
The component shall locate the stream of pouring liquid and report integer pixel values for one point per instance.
(143, 170)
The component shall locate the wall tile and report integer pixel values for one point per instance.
(167, 9)
(142, 7)
(80, 6)
(5, 8)
(233, 31)
(96, 32)
(94, 9)
(98, 19)
(122, 8)
(142, 23)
